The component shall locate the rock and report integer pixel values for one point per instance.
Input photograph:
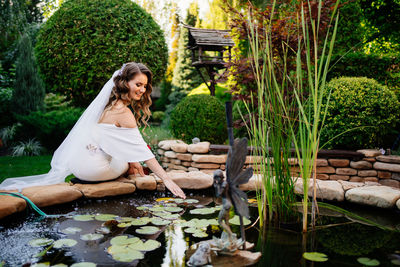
(192, 180)
(329, 190)
(293, 161)
(164, 159)
(253, 160)
(384, 175)
(105, 189)
(396, 176)
(48, 195)
(223, 167)
(322, 176)
(254, 183)
(322, 163)
(175, 161)
(166, 144)
(369, 183)
(369, 159)
(147, 182)
(370, 153)
(202, 147)
(350, 185)
(325, 170)
(379, 196)
(208, 171)
(192, 169)
(386, 167)
(339, 162)
(346, 171)
(186, 157)
(170, 154)
(365, 173)
(371, 179)
(160, 152)
(186, 163)
(179, 148)
(10, 205)
(390, 182)
(356, 179)
(361, 165)
(205, 165)
(339, 177)
(165, 164)
(209, 158)
(178, 167)
(389, 159)
(126, 180)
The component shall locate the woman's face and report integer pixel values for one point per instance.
(137, 86)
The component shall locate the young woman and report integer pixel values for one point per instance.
(105, 143)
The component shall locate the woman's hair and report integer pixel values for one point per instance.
(121, 90)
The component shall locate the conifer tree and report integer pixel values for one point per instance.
(29, 89)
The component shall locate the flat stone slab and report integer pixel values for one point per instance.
(48, 195)
(10, 205)
(387, 167)
(209, 158)
(180, 148)
(329, 190)
(254, 183)
(389, 159)
(346, 185)
(147, 182)
(370, 153)
(166, 144)
(378, 196)
(105, 189)
(192, 180)
(202, 147)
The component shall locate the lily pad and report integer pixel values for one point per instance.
(71, 230)
(105, 217)
(173, 209)
(188, 201)
(41, 264)
(89, 237)
(213, 221)
(142, 208)
(149, 245)
(395, 262)
(125, 219)
(40, 242)
(203, 211)
(83, 218)
(147, 230)
(128, 256)
(124, 224)
(196, 223)
(235, 220)
(191, 230)
(59, 265)
(84, 264)
(123, 240)
(157, 208)
(140, 221)
(315, 256)
(368, 261)
(65, 243)
(159, 221)
(166, 215)
(200, 234)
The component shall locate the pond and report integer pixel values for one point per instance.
(343, 241)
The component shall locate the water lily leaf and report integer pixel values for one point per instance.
(123, 240)
(118, 249)
(203, 211)
(141, 221)
(41, 264)
(71, 230)
(166, 215)
(164, 199)
(40, 242)
(196, 223)
(235, 220)
(83, 218)
(147, 230)
(200, 234)
(84, 264)
(124, 224)
(315, 256)
(129, 256)
(125, 219)
(88, 237)
(145, 246)
(170, 205)
(188, 201)
(65, 243)
(142, 208)
(191, 230)
(213, 221)
(59, 265)
(105, 217)
(395, 262)
(173, 209)
(368, 261)
(157, 208)
(158, 221)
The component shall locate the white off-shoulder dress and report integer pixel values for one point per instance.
(108, 155)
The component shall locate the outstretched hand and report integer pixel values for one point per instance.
(135, 168)
(174, 188)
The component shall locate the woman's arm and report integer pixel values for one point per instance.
(159, 171)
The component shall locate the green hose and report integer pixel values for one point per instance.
(33, 206)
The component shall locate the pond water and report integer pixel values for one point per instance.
(344, 241)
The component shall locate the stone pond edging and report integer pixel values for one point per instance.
(192, 167)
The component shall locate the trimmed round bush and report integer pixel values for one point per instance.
(84, 42)
(201, 116)
(360, 102)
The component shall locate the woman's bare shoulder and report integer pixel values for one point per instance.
(126, 119)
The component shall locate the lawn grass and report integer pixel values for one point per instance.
(23, 166)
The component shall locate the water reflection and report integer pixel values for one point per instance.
(175, 245)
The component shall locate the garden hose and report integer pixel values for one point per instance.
(33, 206)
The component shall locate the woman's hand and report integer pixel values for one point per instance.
(135, 168)
(174, 188)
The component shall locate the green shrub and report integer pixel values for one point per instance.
(84, 42)
(30, 148)
(158, 116)
(55, 102)
(6, 117)
(360, 102)
(201, 116)
(50, 128)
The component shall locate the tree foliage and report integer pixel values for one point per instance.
(84, 42)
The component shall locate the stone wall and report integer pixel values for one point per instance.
(366, 165)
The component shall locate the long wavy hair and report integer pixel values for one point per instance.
(121, 90)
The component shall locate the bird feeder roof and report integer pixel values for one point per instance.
(209, 39)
